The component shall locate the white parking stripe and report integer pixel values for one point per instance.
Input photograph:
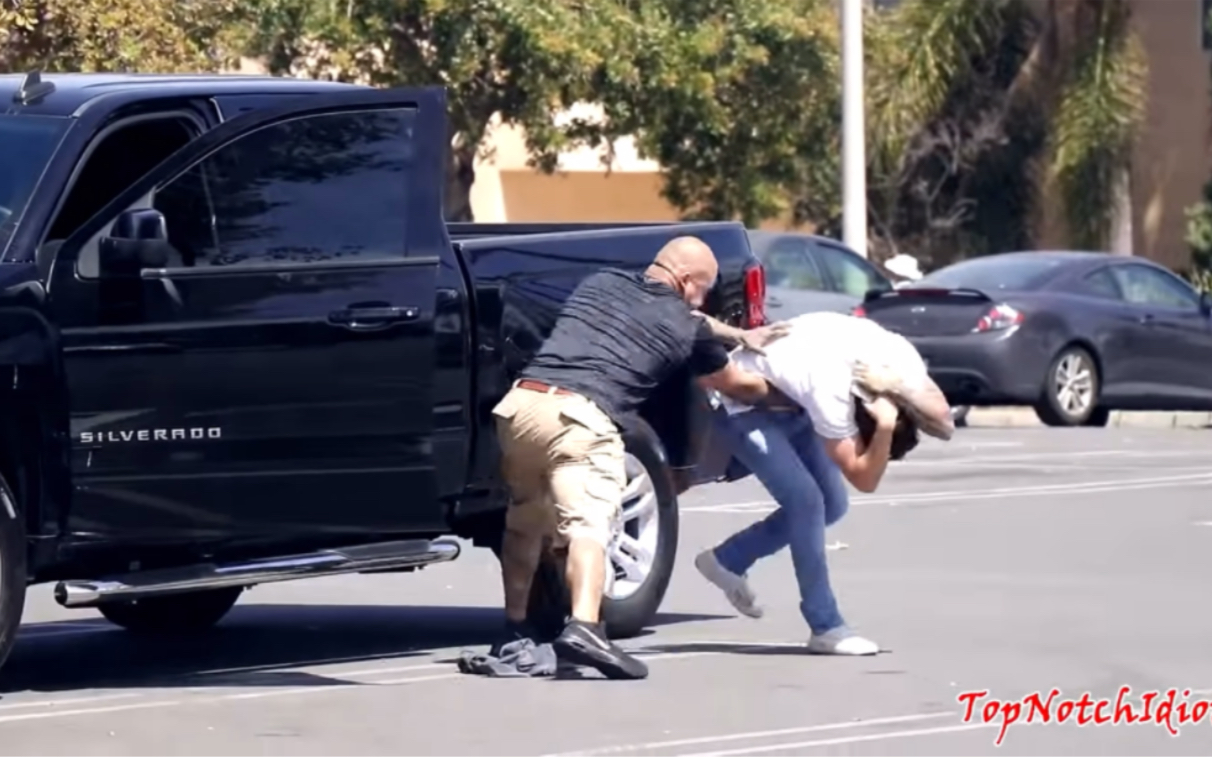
(655, 745)
(934, 461)
(1082, 487)
(303, 690)
(88, 711)
(198, 695)
(65, 702)
(413, 652)
(789, 747)
(203, 699)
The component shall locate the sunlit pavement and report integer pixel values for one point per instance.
(1007, 561)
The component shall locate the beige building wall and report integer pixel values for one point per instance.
(1172, 158)
(581, 190)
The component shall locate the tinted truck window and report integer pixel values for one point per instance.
(26, 145)
(321, 188)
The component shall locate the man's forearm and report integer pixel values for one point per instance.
(737, 384)
(928, 406)
(755, 391)
(872, 461)
(729, 335)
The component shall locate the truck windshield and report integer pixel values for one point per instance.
(26, 146)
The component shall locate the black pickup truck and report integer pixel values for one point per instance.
(239, 345)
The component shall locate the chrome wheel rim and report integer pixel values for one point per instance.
(1074, 384)
(637, 528)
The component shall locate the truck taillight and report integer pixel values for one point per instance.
(755, 297)
(998, 318)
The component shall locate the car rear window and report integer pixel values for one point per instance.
(994, 272)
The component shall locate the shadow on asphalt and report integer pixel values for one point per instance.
(256, 645)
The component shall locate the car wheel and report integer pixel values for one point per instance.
(176, 613)
(12, 569)
(640, 557)
(1070, 393)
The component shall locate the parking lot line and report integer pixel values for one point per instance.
(48, 703)
(933, 461)
(198, 695)
(788, 747)
(909, 499)
(700, 740)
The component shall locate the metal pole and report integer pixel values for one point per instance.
(854, 153)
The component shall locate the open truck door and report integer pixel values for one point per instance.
(248, 331)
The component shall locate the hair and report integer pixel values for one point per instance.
(904, 433)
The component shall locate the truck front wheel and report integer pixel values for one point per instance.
(176, 613)
(12, 569)
(640, 558)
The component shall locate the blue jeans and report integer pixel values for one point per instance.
(785, 454)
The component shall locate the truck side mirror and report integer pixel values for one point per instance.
(137, 240)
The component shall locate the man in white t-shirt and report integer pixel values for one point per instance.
(864, 392)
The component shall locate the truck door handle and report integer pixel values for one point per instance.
(371, 318)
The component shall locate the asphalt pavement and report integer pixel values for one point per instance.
(1008, 561)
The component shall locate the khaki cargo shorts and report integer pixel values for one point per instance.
(562, 458)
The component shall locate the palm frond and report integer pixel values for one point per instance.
(1097, 122)
(918, 50)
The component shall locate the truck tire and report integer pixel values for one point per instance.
(176, 613)
(630, 605)
(12, 570)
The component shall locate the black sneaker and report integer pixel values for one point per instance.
(513, 632)
(586, 644)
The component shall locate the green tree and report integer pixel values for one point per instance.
(1072, 97)
(519, 60)
(163, 36)
(1199, 240)
(948, 147)
(1199, 229)
(738, 100)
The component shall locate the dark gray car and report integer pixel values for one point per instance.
(1073, 334)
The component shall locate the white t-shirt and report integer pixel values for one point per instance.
(814, 364)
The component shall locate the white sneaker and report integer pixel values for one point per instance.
(842, 641)
(735, 587)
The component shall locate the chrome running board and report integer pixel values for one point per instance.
(369, 558)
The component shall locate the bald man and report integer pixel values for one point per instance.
(619, 336)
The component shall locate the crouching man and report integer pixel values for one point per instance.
(858, 395)
(619, 336)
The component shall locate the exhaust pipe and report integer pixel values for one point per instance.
(369, 558)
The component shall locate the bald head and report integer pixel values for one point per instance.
(688, 264)
(688, 254)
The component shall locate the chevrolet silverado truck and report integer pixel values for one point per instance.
(239, 344)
